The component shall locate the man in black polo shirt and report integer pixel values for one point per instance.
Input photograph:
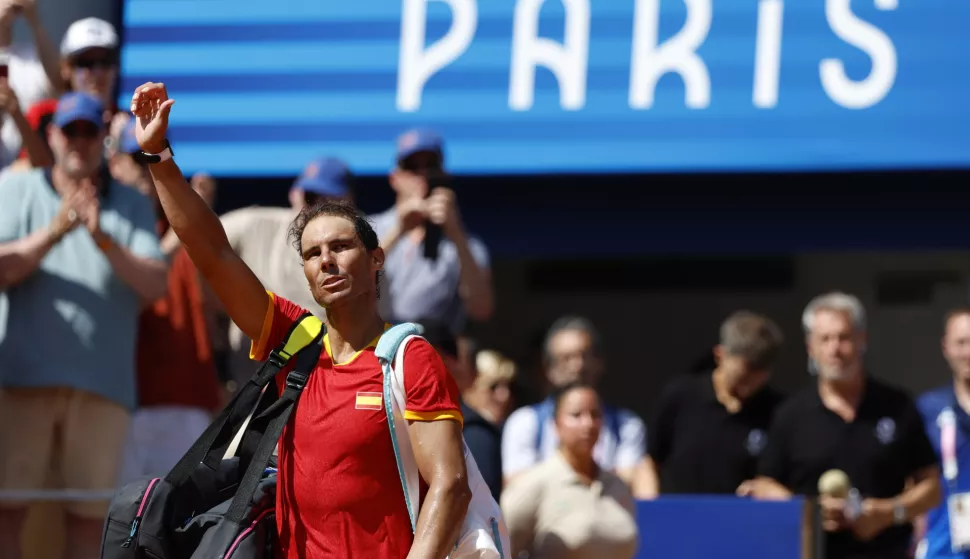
(708, 430)
(860, 425)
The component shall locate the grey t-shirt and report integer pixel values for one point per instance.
(415, 288)
(73, 322)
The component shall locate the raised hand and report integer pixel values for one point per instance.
(150, 105)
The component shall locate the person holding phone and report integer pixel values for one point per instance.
(435, 269)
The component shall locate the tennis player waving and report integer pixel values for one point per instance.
(339, 495)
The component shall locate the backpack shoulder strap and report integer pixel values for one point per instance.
(306, 330)
(390, 341)
(227, 428)
(389, 352)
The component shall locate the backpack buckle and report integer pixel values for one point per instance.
(296, 380)
(276, 359)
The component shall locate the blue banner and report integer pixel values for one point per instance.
(717, 527)
(527, 86)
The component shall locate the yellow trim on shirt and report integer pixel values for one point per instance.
(434, 416)
(258, 350)
(326, 347)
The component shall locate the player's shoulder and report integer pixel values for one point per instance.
(287, 307)
(419, 347)
(421, 358)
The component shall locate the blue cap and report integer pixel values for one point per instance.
(326, 176)
(417, 140)
(127, 142)
(78, 106)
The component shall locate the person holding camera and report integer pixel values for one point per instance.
(434, 268)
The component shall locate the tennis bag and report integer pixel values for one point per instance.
(210, 506)
(483, 533)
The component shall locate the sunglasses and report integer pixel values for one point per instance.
(101, 62)
(81, 129)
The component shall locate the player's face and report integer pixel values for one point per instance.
(337, 265)
(579, 420)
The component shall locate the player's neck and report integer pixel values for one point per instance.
(961, 389)
(352, 326)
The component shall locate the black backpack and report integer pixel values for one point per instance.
(210, 507)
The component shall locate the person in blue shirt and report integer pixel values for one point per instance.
(945, 416)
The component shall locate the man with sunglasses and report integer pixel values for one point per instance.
(89, 59)
(79, 259)
(260, 236)
(434, 268)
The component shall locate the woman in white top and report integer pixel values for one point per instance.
(567, 507)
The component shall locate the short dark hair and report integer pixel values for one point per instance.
(335, 208)
(560, 393)
(752, 337)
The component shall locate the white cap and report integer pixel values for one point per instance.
(86, 34)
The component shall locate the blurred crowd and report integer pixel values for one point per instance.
(114, 354)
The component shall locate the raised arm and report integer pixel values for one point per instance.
(237, 287)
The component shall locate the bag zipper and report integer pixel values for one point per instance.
(497, 537)
(247, 531)
(141, 510)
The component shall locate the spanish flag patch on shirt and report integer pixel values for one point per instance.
(369, 401)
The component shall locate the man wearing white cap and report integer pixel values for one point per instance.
(89, 52)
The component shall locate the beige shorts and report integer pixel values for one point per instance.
(60, 438)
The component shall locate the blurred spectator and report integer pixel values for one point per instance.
(945, 416)
(454, 277)
(33, 72)
(571, 353)
(35, 152)
(89, 62)
(568, 507)
(708, 430)
(485, 406)
(852, 422)
(178, 386)
(482, 437)
(441, 338)
(82, 289)
(261, 237)
(491, 393)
